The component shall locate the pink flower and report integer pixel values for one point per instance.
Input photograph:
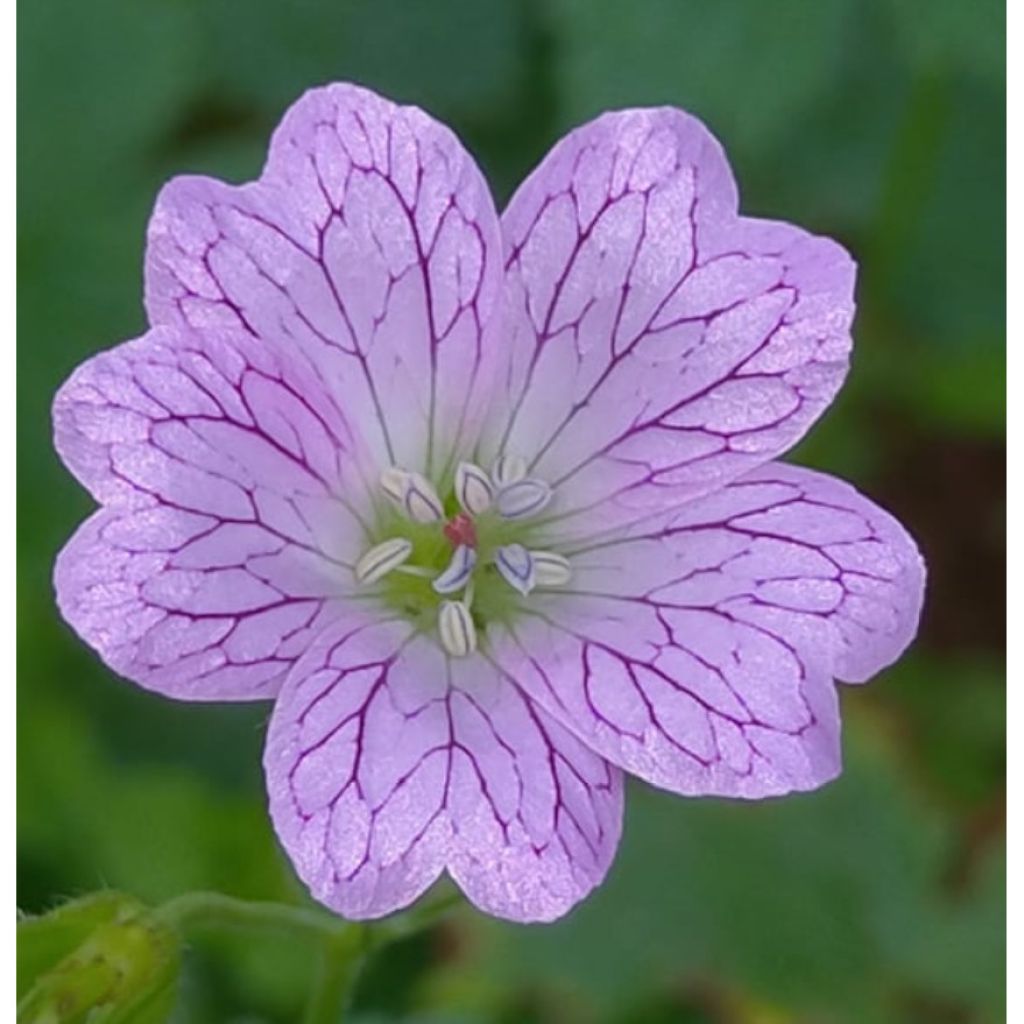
(486, 505)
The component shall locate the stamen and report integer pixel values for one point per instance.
(510, 493)
(473, 488)
(523, 498)
(508, 469)
(393, 482)
(422, 504)
(551, 570)
(458, 572)
(419, 571)
(516, 566)
(455, 624)
(382, 559)
(413, 493)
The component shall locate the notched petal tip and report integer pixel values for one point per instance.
(757, 311)
(561, 801)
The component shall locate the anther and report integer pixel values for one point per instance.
(508, 469)
(550, 570)
(473, 488)
(515, 564)
(458, 572)
(413, 493)
(393, 482)
(455, 624)
(382, 559)
(523, 498)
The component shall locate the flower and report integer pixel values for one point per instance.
(487, 506)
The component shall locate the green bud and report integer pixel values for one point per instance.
(104, 959)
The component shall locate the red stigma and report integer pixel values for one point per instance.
(461, 531)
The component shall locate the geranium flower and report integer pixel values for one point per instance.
(487, 506)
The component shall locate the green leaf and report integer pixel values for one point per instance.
(747, 67)
(800, 902)
(156, 830)
(952, 713)
(940, 240)
(125, 70)
(401, 49)
(970, 36)
(959, 948)
(102, 959)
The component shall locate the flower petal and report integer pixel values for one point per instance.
(226, 540)
(700, 654)
(370, 245)
(660, 345)
(387, 763)
(537, 814)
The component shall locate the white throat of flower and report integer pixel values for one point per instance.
(481, 535)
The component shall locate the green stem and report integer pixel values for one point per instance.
(344, 945)
(341, 958)
(214, 909)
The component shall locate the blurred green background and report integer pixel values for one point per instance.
(881, 122)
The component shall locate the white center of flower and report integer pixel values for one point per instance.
(494, 502)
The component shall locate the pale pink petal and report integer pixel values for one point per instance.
(659, 344)
(370, 245)
(700, 654)
(387, 764)
(232, 516)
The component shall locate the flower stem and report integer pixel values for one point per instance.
(341, 957)
(344, 945)
(214, 909)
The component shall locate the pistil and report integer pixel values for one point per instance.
(461, 529)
